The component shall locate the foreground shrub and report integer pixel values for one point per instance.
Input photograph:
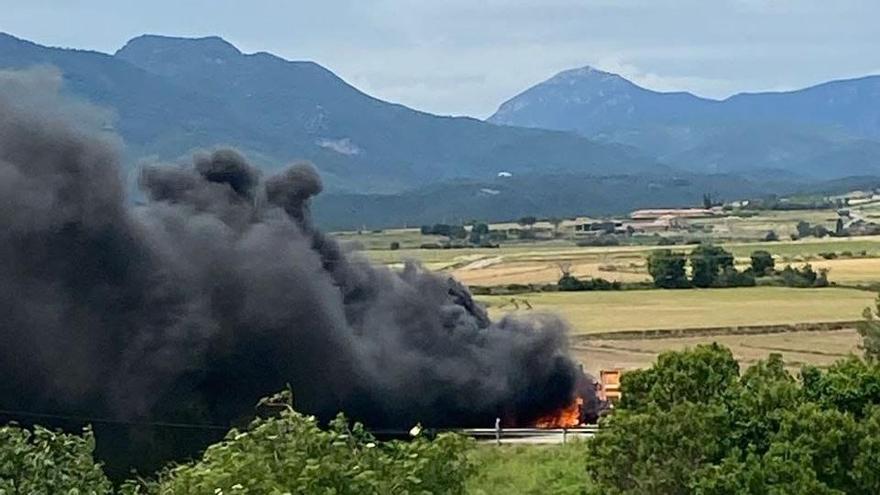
(656, 451)
(290, 453)
(40, 461)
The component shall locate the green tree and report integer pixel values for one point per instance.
(41, 461)
(849, 385)
(707, 263)
(762, 263)
(869, 329)
(703, 374)
(864, 471)
(765, 393)
(656, 451)
(781, 471)
(667, 268)
(827, 440)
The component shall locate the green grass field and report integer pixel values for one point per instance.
(529, 470)
(591, 312)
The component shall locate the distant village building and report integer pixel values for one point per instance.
(661, 224)
(600, 228)
(654, 214)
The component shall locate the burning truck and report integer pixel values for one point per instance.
(216, 290)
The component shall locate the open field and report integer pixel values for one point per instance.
(851, 271)
(797, 348)
(591, 312)
(539, 262)
(595, 313)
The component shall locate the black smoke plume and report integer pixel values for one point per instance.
(219, 290)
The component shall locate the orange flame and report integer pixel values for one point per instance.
(567, 417)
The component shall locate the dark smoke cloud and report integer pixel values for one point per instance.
(219, 291)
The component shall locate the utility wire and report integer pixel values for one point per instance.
(85, 419)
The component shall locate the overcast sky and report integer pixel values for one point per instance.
(465, 57)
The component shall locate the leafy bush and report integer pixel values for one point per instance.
(41, 461)
(290, 453)
(572, 284)
(804, 277)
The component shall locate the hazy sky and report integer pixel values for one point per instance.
(465, 57)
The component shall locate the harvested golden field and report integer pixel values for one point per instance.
(539, 263)
(626, 267)
(797, 348)
(591, 312)
(537, 272)
(850, 271)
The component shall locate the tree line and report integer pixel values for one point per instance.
(713, 266)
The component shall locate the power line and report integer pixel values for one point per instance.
(85, 419)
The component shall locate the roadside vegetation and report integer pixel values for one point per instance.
(694, 422)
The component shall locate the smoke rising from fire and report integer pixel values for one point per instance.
(219, 290)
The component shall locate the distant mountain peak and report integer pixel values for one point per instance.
(585, 72)
(152, 45)
(583, 91)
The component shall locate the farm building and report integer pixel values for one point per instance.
(600, 228)
(654, 214)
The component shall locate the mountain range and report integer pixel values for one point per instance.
(583, 142)
(174, 95)
(825, 131)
